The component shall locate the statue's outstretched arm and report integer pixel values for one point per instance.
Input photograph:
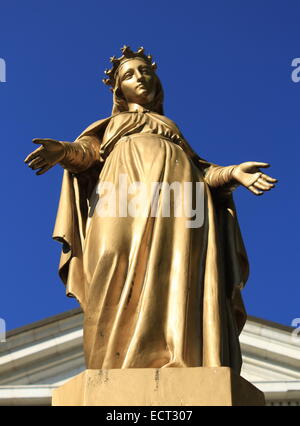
(81, 154)
(221, 178)
(247, 174)
(75, 157)
(228, 178)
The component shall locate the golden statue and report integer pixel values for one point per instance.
(154, 291)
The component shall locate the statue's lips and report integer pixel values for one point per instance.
(141, 86)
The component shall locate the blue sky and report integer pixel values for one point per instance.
(226, 70)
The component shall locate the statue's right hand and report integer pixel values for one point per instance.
(46, 156)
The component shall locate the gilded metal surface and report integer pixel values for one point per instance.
(155, 292)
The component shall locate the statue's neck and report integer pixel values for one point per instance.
(136, 107)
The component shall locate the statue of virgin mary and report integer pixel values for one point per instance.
(154, 291)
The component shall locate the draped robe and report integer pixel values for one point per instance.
(155, 293)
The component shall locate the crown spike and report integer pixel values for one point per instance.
(126, 51)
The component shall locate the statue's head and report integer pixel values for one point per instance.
(133, 80)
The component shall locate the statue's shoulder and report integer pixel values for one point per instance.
(166, 120)
(96, 129)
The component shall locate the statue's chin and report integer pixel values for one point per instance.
(145, 99)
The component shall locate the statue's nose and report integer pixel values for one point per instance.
(139, 76)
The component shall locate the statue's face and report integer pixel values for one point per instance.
(138, 82)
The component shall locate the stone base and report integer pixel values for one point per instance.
(158, 387)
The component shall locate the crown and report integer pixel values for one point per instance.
(127, 54)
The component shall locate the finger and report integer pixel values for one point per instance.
(268, 178)
(42, 141)
(35, 160)
(255, 190)
(33, 155)
(43, 170)
(252, 178)
(258, 185)
(257, 164)
(38, 164)
(265, 183)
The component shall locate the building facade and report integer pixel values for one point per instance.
(37, 358)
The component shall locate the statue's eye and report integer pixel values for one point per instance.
(127, 76)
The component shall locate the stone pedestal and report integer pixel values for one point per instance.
(158, 387)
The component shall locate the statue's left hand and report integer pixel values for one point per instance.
(249, 175)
